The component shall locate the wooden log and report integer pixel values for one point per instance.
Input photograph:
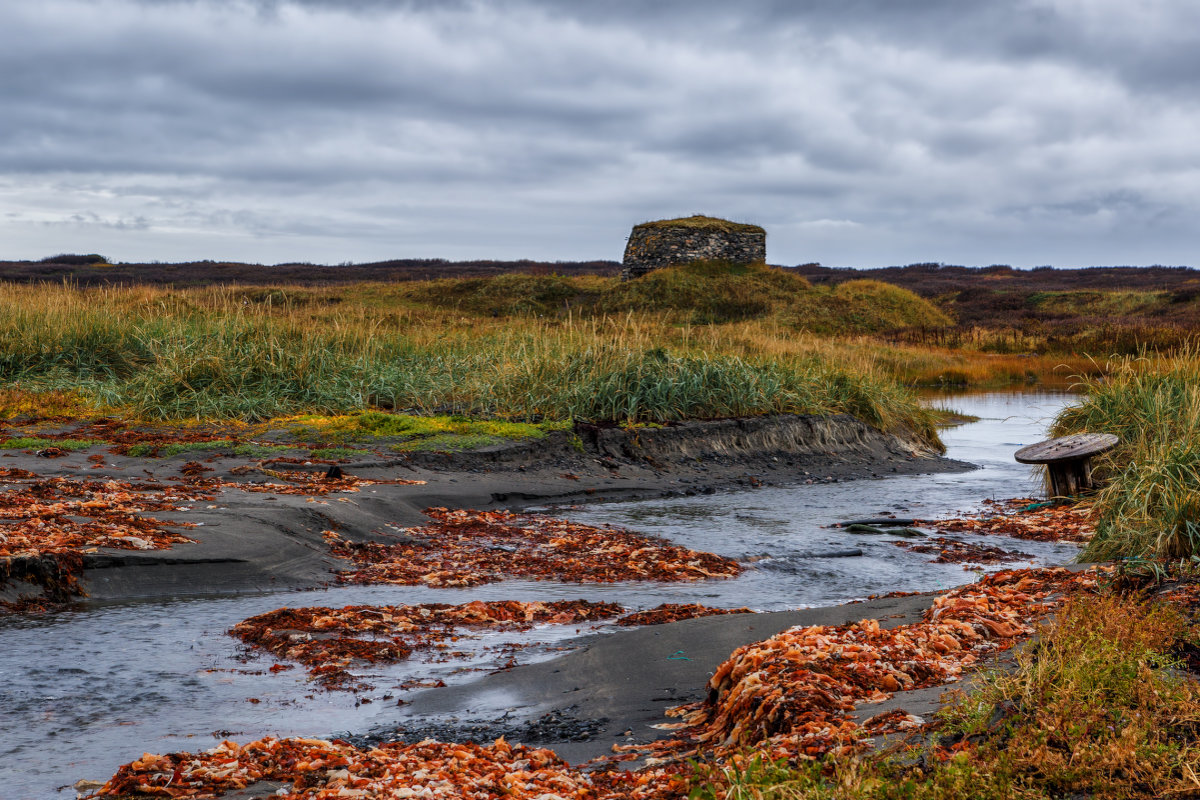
(1068, 460)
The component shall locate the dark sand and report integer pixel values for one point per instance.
(251, 541)
(625, 679)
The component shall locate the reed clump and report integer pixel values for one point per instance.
(1150, 504)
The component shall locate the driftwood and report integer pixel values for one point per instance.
(1068, 460)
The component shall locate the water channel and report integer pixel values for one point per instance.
(85, 691)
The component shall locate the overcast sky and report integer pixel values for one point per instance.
(857, 132)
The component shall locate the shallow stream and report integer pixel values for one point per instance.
(85, 691)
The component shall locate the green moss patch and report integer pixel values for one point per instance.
(168, 449)
(34, 443)
(251, 450)
(340, 453)
(375, 425)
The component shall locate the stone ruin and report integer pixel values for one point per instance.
(682, 241)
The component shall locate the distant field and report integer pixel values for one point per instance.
(1100, 311)
(1097, 311)
(96, 271)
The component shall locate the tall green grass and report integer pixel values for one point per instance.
(1150, 507)
(162, 358)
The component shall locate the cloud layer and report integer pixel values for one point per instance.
(863, 133)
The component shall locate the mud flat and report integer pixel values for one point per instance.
(615, 686)
(249, 540)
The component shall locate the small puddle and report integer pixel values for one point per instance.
(83, 692)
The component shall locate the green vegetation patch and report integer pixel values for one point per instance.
(35, 443)
(1150, 504)
(253, 450)
(702, 222)
(375, 425)
(169, 449)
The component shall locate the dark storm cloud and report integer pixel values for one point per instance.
(858, 131)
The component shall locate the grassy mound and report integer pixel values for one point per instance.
(863, 307)
(701, 293)
(707, 292)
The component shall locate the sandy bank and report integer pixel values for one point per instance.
(616, 686)
(253, 541)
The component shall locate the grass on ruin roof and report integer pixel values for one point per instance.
(701, 222)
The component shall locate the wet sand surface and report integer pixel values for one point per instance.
(621, 683)
(252, 541)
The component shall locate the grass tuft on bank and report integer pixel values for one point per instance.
(1150, 507)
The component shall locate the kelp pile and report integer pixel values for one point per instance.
(300, 482)
(790, 696)
(969, 554)
(48, 524)
(57, 515)
(467, 548)
(1026, 518)
(674, 612)
(121, 435)
(313, 769)
(787, 697)
(329, 640)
